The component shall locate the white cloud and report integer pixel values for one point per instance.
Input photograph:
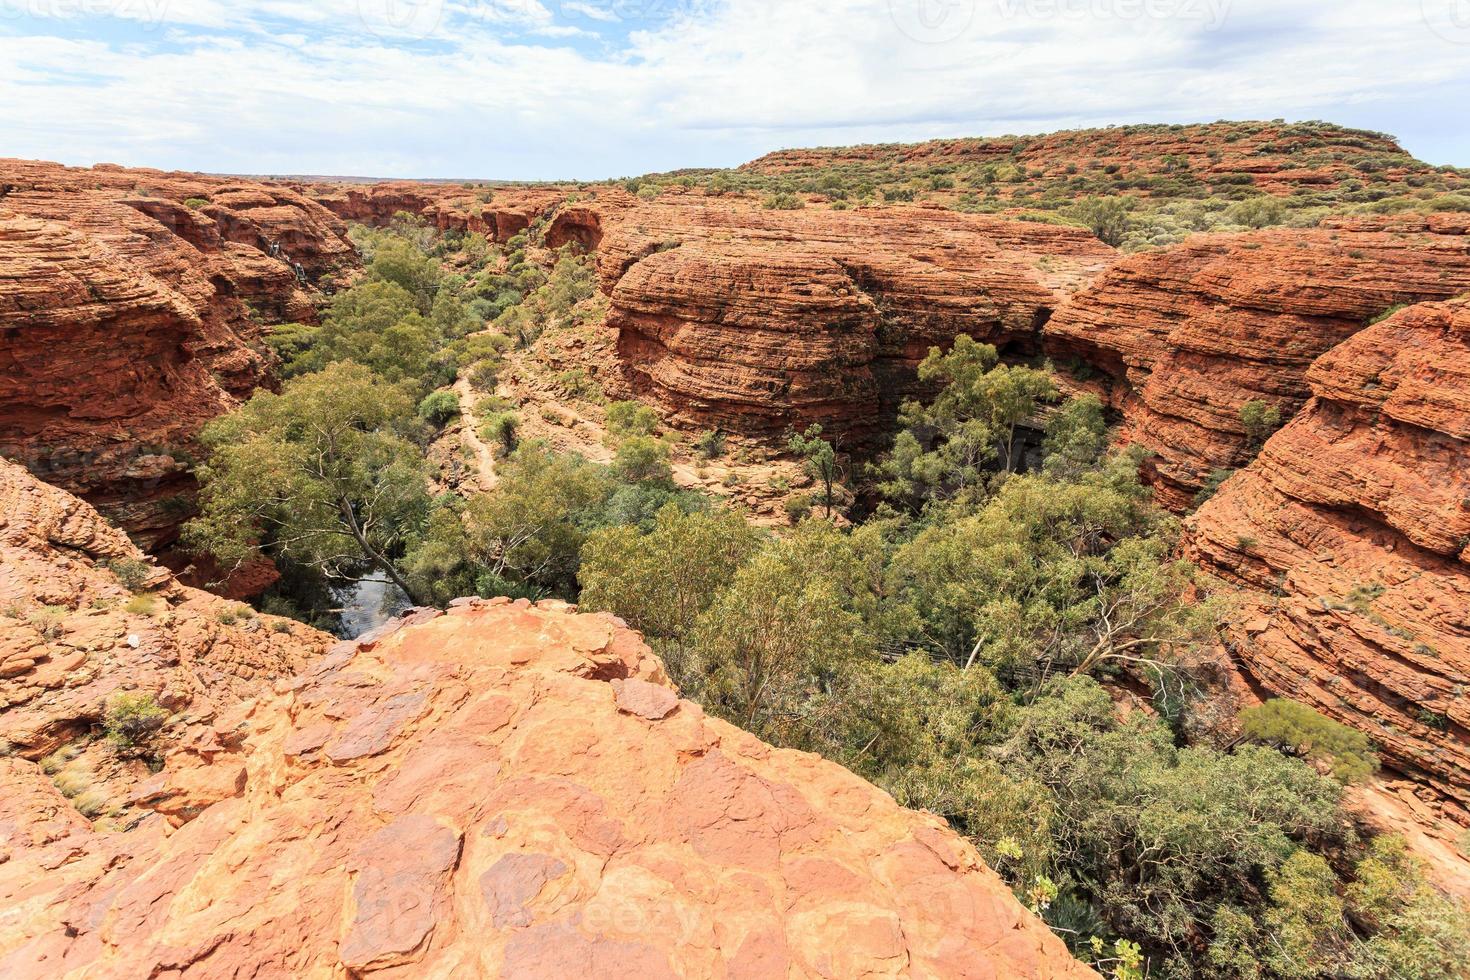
(510, 88)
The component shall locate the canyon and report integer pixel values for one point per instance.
(133, 305)
(504, 790)
(527, 773)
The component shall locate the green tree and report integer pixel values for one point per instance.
(821, 460)
(948, 447)
(1260, 420)
(530, 529)
(1301, 730)
(320, 474)
(643, 459)
(662, 581)
(1108, 217)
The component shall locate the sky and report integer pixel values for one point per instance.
(588, 89)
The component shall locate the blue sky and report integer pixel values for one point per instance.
(544, 89)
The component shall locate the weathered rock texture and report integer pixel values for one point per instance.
(735, 317)
(1349, 542)
(505, 791)
(1185, 337)
(129, 318)
(72, 635)
(498, 213)
(1280, 158)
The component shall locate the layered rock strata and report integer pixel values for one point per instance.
(132, 309)
(1184, 338)
(1348, 545)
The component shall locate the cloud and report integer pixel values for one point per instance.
(513, 88)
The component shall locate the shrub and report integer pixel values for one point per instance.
(1260, 419)
(133, 720)
(48, 621)
(710, 444)
(439, 408)
(626, 420)
(798, 507)
(501, 429)
(142, 605)
(132, 573)
(643, 459)
(485, 375)
(195, 203)
(1300, 730)
(783, 201)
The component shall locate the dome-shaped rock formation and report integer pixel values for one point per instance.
(503, 791)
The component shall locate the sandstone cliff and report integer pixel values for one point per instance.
(732, 316)
(1348, 541)
(84, 617)
(498, 213)
(1185, 337)
(506, 791)
(132, 306)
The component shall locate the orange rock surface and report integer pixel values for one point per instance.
(505, 791)
(72, 635)
(498, 213)
(1186, 336)
(751, 320)
(129, 318)
(1348, 541)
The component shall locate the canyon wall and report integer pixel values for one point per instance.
(132, 309)
(754, 321)
(503, 791)
(1347, 543)
(499, 212)
(1183, 338)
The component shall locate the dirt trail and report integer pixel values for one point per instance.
(481, 456)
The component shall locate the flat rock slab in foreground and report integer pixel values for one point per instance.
(506, 791)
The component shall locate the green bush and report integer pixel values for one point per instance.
(1301, 730)
(1260, 420)
(628, 419)
(133, 720)
(131, 572)
(439, 408)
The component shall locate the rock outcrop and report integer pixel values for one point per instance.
(499, 213)
(750, 320)
(1185, 337)
(503, 791)
(1348, 542)
(132, 309)
(84, 617)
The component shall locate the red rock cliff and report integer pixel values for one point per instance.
(1189, 334)
(733, 316)
(132, 305)
(505, 791)
(1348, 542)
